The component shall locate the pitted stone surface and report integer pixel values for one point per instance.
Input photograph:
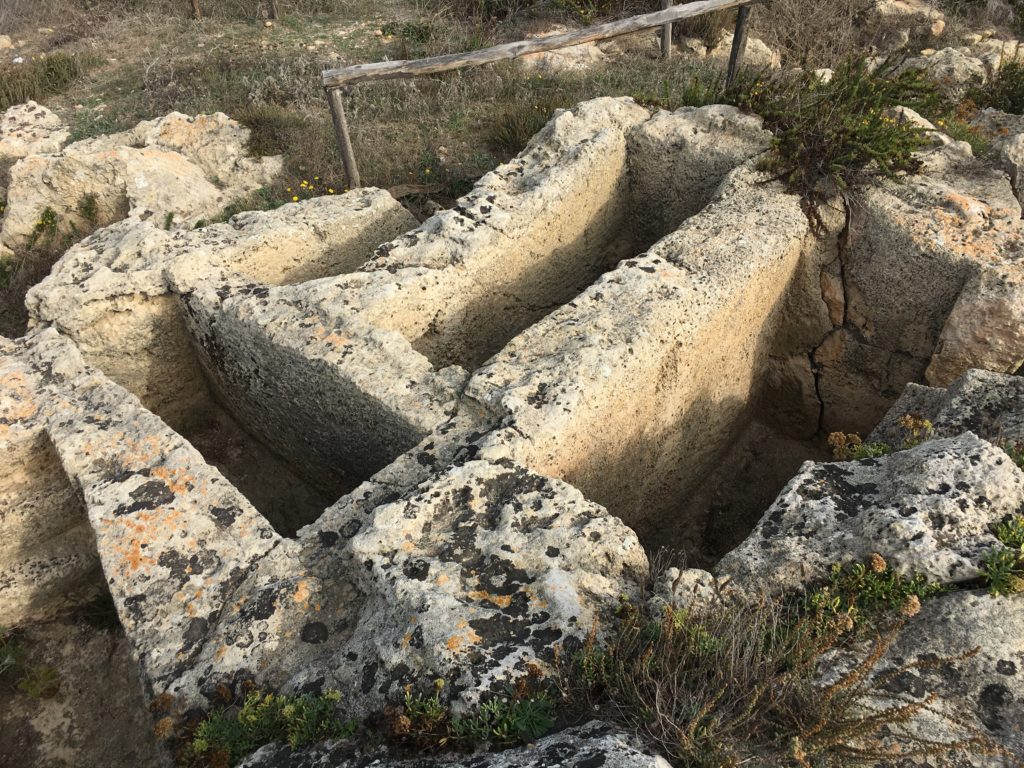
(476, 575)
(921, 258)
(176, 170)
(926, 510)
(31, 129)
(985, 691)
(588, 746)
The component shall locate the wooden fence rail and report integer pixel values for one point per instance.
(334, 80)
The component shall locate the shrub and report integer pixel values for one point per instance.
(229, 735)
(730, 685)
(39, 78)
(831, 136)
(850, 447)
(868, 594)
(1005, 91)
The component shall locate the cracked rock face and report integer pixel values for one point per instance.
(176, 170)
(926, 510)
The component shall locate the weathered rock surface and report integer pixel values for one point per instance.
(988, 404)
(111, 293)
(174, 171)
(681, 157)
(593, 744)
(1006, 132)
(575, 58)
(926, 510)
(984, 691)
(31, 129)
(913, 251)
(756, 56)
(955, 72)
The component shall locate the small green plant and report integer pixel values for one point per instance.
(1005, 91)
(8, 266)
(850, 447)
(506, 721)
(1015, 450)
(227, 736)
(869, 593)
(168, 220)
(518, 123)
(12, 655)
(1004, 565)
(39, 682)
(88, 209)
(916, 430)
(45, 229)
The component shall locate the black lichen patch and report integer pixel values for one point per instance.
(150, 495)
(315, 632)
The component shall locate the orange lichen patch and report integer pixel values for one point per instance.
(501, 601)
(408, 546)
(333, 337)
(176, 479)
(221, 652)
(302, 593)
(134, 559)
(442, 579)
(17, 403)
(455, 642)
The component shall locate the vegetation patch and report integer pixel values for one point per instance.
(1004, 565)
(830, 136)
(731, 685)
(37, 681)
(38, 78)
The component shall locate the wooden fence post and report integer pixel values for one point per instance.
(666, 33)
(739, 44)
(196, 11)
(348, 156)
(273, 10)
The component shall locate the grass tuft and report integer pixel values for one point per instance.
(38, 78)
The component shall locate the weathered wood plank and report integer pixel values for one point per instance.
(348, 155)
(739, 44)
(390, 70)
(666, 33)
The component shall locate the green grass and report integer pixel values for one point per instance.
(38, 78)
(1004, 565)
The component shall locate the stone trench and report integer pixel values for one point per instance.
(324, 447)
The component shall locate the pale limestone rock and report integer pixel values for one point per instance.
(756, 56)
(986, 690)
(954, 71)
(1006, 132)
(681, 157)
(989, 404)
(176, 171)
(575, 58)
(31, 129)
(5, 43)
(928, 510)
(985, 328)
(111, 293)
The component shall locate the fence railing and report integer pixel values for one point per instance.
(336, 81)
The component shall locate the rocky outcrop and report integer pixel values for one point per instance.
(30, 129)
(175, 172)
(586, 746)
(927, 510)
(955, 71)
